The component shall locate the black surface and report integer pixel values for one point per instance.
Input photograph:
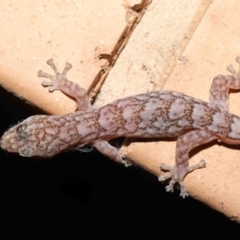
(90, 194)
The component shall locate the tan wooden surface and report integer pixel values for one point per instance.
(73, 31)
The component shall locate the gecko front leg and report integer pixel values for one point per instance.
(185, 144)
(111, 152)
(60, 82)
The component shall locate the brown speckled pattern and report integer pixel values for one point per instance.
(149, 115)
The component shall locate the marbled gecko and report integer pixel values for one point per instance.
(149, 115)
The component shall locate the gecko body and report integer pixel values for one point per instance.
(150, 115)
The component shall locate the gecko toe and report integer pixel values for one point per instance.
(126, 163)
(165, 167)
(169, 187)
(238, 59)
(68, 66)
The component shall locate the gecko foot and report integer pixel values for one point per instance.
(177, 174)
(231, 69)
(126, 163)
(57, 79)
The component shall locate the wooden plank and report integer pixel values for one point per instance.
(152, 48)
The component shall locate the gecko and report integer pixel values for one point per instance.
(151, 115)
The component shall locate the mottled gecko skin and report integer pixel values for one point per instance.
(150, 115)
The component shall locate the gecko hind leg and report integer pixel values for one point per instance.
(221, 85)
(177, 172)
(60, 82)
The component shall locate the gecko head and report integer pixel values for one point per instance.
(26, 138)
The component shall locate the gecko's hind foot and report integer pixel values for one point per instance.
(231, 69)
(57, 79)
(177, 174)
(174, 179)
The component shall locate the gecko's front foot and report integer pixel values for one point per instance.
(126, 163)
(177, 175)
(58, 79)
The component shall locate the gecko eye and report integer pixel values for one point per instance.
(21, 128)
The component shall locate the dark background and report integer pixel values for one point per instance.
(88, 193)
